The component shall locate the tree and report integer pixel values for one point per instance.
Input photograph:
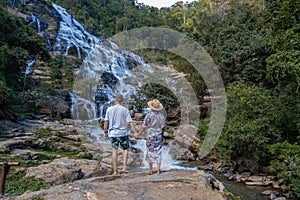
(252, 123)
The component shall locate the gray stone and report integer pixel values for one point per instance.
(179, 147)
(280, 198)
(206, 167)
(64, 170)
(269, 192)
(174, 184)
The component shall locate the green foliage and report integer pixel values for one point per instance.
(17, 183)
(156, 91)
(236, 43)
(56, 74)
(179, 64)
(284, 14)
(6, 157)
(4, 95)
(251, 123)
(51, 148)
(17, 43)
(287, 162)
(230, 196)
(284, 66)
(202, 127)
(109, 17)
(61, 72)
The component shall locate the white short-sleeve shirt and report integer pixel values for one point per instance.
(118, 116)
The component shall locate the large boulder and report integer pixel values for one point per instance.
(174, 184)
(65, 170)
(180, 145)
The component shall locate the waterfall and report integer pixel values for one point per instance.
(71, 33)
(35, 21)
(29, 66)
(105, 72)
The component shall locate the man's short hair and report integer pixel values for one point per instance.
(119, 98)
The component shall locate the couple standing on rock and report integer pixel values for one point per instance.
(115, 129)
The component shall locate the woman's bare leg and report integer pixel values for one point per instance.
(158, 168)
(150, 168)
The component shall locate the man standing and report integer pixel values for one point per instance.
(115, 129)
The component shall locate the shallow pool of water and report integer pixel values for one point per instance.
(237, 189)
(243, 191)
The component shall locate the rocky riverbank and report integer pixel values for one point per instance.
(61, 153)
(74, 165)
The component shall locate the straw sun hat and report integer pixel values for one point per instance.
(155, 105)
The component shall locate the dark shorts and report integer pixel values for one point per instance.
(119, 141)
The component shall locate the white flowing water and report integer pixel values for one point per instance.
(71, 34)
(35, 21)
(167, 161)
(105, 72)
(29, 66)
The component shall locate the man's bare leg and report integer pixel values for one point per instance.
(125, 157)
(114, 161)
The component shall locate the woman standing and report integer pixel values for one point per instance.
(154, 124)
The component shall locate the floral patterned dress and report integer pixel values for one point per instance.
(154, 122)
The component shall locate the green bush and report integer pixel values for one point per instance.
(251, 125)
(287, 162)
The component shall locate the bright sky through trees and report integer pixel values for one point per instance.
(160, 3)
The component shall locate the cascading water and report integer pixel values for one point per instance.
(29, 66)
(105, 72)
(36, 22)
(71, 33)
(167, 162)
(28, 69)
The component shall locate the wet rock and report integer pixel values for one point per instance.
(215, 184)
(205, 167)
(271, 193)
